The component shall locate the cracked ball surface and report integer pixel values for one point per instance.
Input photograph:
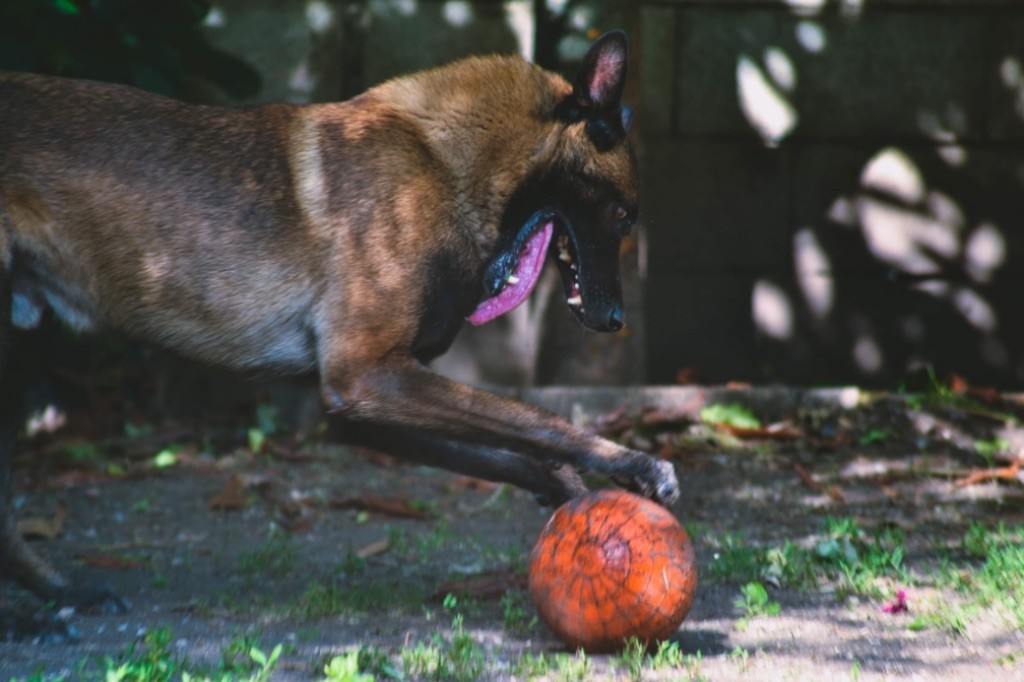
(611, 565)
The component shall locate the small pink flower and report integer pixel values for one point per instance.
(898, 606)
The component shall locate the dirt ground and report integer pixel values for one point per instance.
(326, 550)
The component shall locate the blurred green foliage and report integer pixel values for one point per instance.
(157, 45)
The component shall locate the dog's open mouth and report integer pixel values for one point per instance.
(514, 274)
(564, 251)
(515, 277)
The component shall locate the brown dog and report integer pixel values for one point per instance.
(346, 239)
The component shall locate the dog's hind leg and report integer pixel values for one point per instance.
(18, 563)
(551, 485)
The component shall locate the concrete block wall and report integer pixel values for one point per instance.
(833, 191)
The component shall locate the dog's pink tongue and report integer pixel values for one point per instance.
(531, 262)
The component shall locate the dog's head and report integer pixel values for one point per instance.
(578, 201)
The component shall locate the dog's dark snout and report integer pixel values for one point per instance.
(616, 318)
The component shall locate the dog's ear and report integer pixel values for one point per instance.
(602, 75)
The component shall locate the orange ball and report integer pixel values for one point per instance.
(609, 566)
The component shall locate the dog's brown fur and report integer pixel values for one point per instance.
(347, 239)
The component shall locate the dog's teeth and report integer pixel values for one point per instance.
(512, 279)
(575, 300)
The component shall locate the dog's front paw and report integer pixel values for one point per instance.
(666, 486)
(652, 478)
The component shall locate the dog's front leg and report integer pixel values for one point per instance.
(401, 394)
(550, 485)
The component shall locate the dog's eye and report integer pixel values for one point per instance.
(625, 219)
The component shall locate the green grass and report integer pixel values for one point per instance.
(377, 662)
(845, 557)
(986, 578)
(741, 657)
(668, 655)
(940, 614)
(530, 666)
(753, 602)
(353, 565)
(346, 669)
(997, 583)
(632, 658)
(562, 667)
(989, 449)
(637, 659)
(320, 601)
(151, 660)
(424, 546)
(516, 613)
(786, 564)
(938, 395)
(734, 561)
(875, 436)
(276, 558)
(571, 668)
(864, 564)
(512, 554)
(456, 656)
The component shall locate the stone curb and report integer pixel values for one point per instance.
(584, 403)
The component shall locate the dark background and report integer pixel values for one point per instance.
(833, 190)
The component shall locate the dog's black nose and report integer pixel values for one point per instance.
(616, 318)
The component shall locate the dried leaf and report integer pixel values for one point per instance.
(373, 549)
(890, 492)
(777, 431)
(378, 458)
(394, 506)
(672, 416)
(1007, 473)
(73, 479)
(110, 562)
(300, 523)
(689, 376)
(484, 585)
(611, 424)
(985, 394)
(289, 452)
(38, 528)
(232, 496)
(671, 452)
(808, 479)
(461, 483)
